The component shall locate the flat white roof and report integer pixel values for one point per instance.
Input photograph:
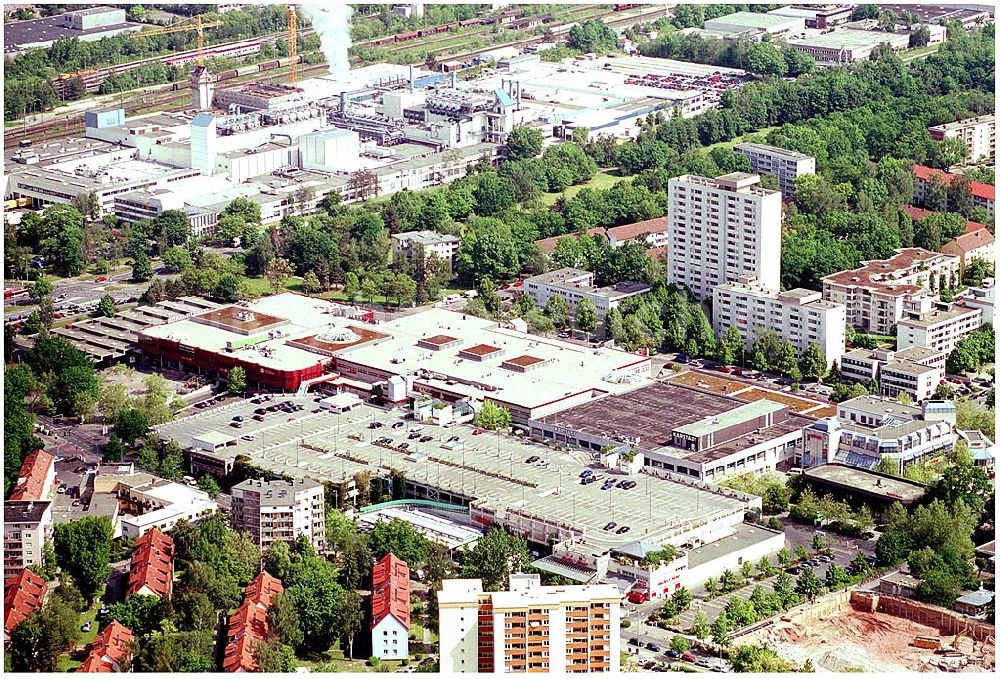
(305, 316)
(565, 369)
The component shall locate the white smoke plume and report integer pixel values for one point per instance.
(332, 22)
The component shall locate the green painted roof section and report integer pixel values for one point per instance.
(747, 411)
(504, 98)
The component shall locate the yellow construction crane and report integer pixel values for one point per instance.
(199, 26)
(293, 51)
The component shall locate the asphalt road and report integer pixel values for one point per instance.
(82, 291)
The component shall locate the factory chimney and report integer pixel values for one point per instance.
(202, 89)
(413, 78)
(454, 79)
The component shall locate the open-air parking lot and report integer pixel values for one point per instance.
(463, 461)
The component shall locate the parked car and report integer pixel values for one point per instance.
(586, 472)
(399, 425)
(86, 626)
(653, 647)
(248, 437)
(610, 525)
(477, 431)
(404, 445)
(237, 418)
(426, 438)
(622, 530)
(414, 435)
(259, 418)
(688, 656)
(530, 460)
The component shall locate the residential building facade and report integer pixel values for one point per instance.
(273, 511)
(721, 229)
(390, 627)
(531, 628)
(979, 135)
(915, 370)
(416, 247)
(983, 195)
(972, 244)
(784, 165)
(800, 316)
(938, 326)
(877, 294)
(27, 526)
(576, 285)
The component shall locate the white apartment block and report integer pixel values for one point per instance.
(916, 371)
(799, 316)
(937, 326)
(576, 285)
(785, 165)
(721, 229)
(531, 628)
(27, 526)
(878, 293)
(417, 246)
(273, 511)
(981, 298)
(979, 135)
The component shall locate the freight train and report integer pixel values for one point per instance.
(502, 18)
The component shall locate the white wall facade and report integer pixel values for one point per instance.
(721, 229)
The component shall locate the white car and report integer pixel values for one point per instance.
(248, 437)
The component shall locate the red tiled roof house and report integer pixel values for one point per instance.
(983, 195)
(23, 594)
(248, 627)
(390, 608)
(37, 476)
(152, 570)
(111, 650)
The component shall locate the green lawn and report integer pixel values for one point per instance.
(919, 52)
(738, 140)
(334, 660)
(601, 180)
(260, 286)
(66, 663)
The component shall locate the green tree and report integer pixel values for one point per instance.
(557, 310)
(142, 268)
(40, 288)
(493, 417)
(680, 644)
(83, 549)
(114, 450)
(495, 556)
(399, 538)
(808, 584)
(278, 271)
(37, 642)
(720, 630)
(237, 380)
(313, 589)
(177, 259)
(273, 656)
(132, 424)
(106, 307)
(486, 294)
(194, 611)
(283, 620)
(209, 485)
(350, 615)
(311, 284)
(700, 627)
(586, 316)
(812, 365)
(524, 142)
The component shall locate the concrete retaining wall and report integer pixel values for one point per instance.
(949, 622)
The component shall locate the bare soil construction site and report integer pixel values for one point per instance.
(877, 633)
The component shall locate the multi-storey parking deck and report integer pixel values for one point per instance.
(545, 499)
